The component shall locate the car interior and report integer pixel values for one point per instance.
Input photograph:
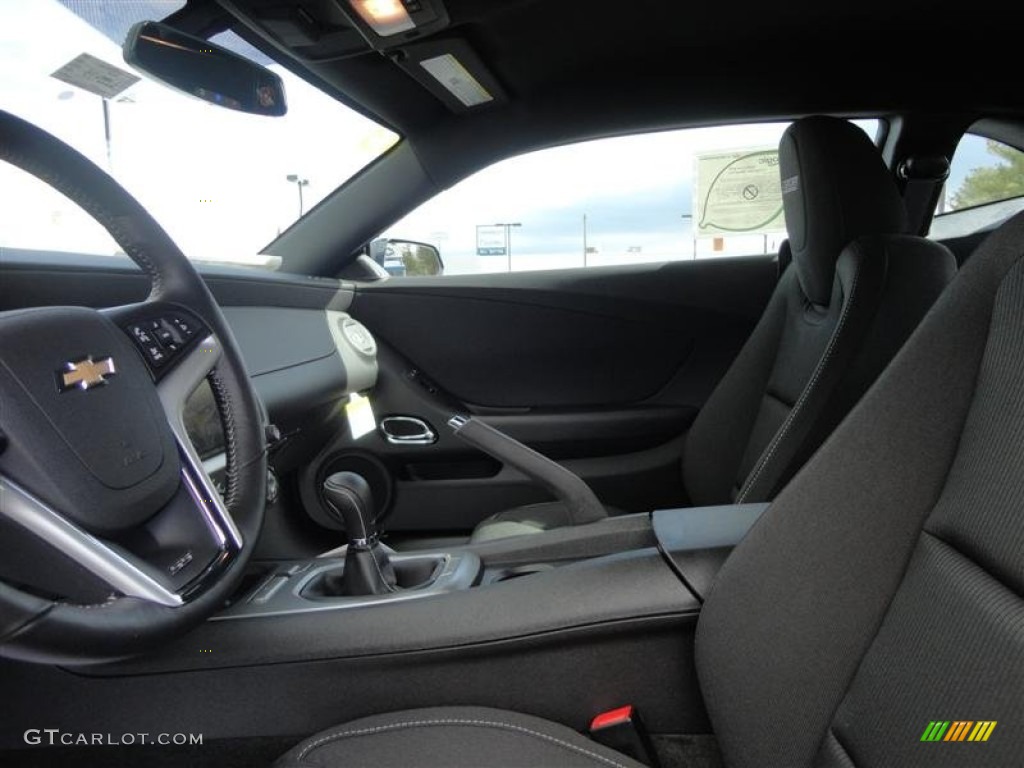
(384, 491)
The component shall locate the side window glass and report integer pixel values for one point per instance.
(985, 187)
(669, 196)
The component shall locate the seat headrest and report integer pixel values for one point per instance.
(835, 189)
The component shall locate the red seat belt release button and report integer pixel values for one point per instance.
(612, 717)
(622, 729)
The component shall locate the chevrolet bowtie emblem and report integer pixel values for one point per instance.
(86, 374)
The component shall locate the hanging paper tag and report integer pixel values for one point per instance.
(360, 415)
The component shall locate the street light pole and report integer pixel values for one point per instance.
(106, 133)
(508, 239)
(300, 183)
(584, 239)
(692, 232)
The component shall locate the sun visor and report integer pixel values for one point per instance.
(451, 70)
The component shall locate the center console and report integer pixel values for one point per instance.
(692, 543)
(561, 624)
(622, 572)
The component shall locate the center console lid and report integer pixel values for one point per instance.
(699, 539)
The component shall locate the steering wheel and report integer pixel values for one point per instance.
(113, 539)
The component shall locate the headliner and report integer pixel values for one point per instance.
(576, 70)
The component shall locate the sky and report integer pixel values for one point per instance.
(216, 179)
(635, 191)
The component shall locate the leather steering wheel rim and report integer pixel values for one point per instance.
(38, 629)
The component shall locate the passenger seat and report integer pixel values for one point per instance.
(857, 287)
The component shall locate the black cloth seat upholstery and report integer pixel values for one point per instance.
(454, 737)
(884, 587)
(855, 291)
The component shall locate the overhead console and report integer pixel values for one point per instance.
(326, 29)
(405, 31)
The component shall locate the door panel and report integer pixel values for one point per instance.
(570, 338)
(601, 369)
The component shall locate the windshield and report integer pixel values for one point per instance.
(222, 183)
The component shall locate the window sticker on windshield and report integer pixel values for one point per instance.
(360, 415)
(96, 76)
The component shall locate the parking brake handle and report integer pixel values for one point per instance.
(581, 502)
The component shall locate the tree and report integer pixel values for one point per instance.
(994, 182)
(419, 260)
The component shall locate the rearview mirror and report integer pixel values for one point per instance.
(407, 258)
(203, 69)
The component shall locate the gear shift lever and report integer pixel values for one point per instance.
(368, 570)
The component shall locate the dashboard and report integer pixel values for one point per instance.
(303, 351)
(302, 362)
(281, 348)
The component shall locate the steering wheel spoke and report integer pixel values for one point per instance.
(174, 390)
(123, 572)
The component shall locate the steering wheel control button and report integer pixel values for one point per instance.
(185, 327)
(161, 338)
(140, 334)
(155, 354)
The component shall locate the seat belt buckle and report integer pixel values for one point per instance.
(622, 730)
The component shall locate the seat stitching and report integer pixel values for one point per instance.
(456, 721)
(777, 440)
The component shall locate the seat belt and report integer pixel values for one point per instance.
(923, 177)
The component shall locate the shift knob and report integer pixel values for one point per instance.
(351, 502)
(368, 569)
